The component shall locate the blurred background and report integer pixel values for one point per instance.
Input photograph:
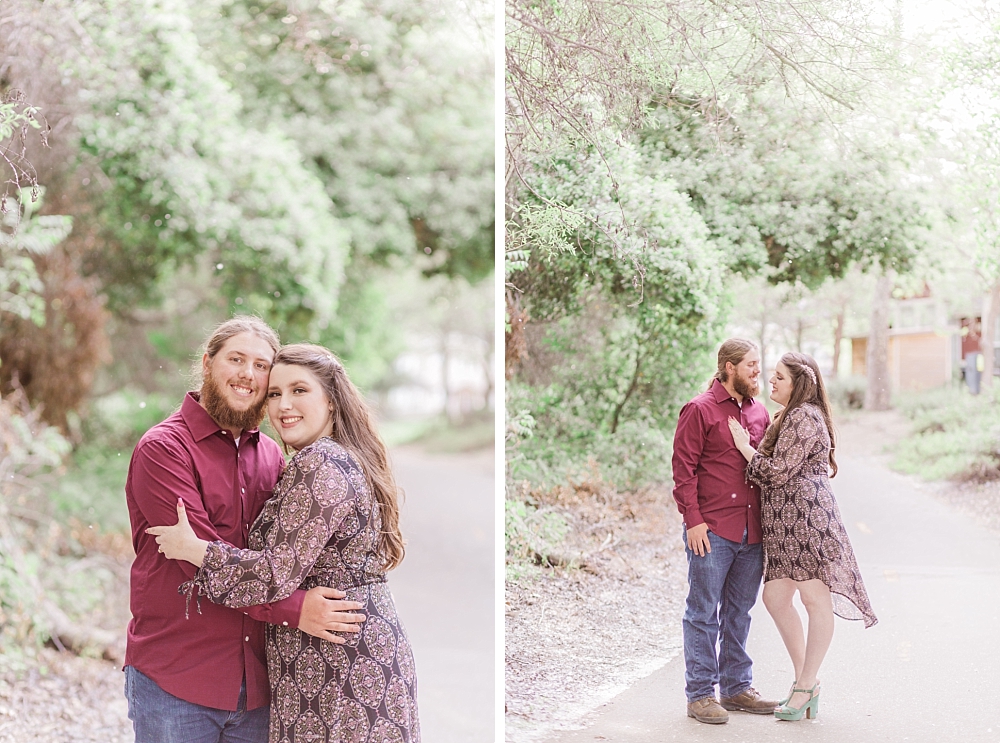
(166, 164)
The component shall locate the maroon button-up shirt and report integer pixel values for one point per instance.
(202, 659)
(710, 485)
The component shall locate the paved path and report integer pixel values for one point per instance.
(444, 590)
(928, 672)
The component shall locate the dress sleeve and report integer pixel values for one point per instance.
(319, 498)
(799, 435)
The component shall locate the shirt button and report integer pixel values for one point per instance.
(243, 490)
(734, 495)
(284, 624)
(247, 638)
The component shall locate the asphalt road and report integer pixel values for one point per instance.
(928, 672)
(444, 590)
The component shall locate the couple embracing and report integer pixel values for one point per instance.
(298, 638)
(756, 501)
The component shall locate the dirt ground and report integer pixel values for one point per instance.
(578, 635)
(63, 697)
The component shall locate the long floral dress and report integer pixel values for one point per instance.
(321, 528)
(804, 536)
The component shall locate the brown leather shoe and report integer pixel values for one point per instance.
(749, 700)
(708, 710)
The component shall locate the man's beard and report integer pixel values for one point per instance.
(744, 387)
(217, 407)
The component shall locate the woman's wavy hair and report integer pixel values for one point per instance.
(354, 429)
(807, 387)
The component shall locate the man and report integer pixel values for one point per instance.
(196, 672)
(721, 513)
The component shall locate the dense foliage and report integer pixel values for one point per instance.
(226, 156)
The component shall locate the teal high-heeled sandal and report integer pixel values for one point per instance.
(810, 709)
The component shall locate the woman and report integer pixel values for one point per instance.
(333, 521)
(806, 548)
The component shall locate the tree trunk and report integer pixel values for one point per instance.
(445, 382)
(838, 337)
(878, 393)
(488, 377)
(762, 342)
(991, 311)
(631, 388)
(515, 343)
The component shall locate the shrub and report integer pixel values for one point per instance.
(28, 447)
(549, 443)
(847, 393)
(530, 535)
(955, 435)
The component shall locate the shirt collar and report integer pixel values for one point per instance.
(721, 394)
(199, 422)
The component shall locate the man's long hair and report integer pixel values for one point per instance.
(806, 388)
(732, 350)
(236, 325)
(354, 429)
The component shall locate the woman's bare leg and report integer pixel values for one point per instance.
(816, 598)
(777, 597)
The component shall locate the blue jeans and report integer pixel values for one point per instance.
(160, 717)
(723, 587)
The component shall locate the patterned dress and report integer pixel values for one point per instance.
(321, 528)
(804, 536)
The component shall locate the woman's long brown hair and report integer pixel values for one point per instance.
(804, 390)
(354, 429)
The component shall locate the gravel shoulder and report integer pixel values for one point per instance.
(577, 636)
(52, 695)
(58, 696)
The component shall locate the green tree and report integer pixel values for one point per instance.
(651, 147)
(391, 104)
(786, 190)
(614, 342)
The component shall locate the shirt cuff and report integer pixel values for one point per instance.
(692, 517)
(284, 613)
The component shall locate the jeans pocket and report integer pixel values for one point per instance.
(130, 691)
